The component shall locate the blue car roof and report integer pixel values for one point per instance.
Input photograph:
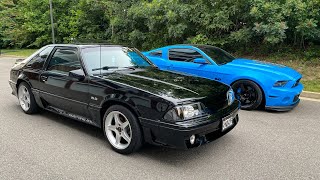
(188, 46)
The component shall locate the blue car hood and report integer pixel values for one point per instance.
(270, 69)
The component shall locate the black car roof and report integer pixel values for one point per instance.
(86, 45)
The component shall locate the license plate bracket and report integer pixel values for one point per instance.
(227, 122)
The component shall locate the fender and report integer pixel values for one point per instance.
(23, 77)
(97, 112)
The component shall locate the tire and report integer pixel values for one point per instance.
(26, 99)
(122, 130)
(248, 93)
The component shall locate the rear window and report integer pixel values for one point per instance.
(38, 60)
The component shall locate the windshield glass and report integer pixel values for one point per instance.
(216, 54)
(105, 59)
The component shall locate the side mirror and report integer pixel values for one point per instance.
(77, 74)
(200, 61)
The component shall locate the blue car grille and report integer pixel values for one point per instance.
(296, 83)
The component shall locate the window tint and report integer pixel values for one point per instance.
(186, 55)
(64, 61)
(156, 53)
(38, 60)
(218, 55)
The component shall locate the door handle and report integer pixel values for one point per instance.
(43, 78)
(218, 79)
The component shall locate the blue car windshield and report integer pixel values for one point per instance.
(218, 55)
(103, 59)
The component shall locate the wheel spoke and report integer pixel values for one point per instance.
(117, 119)
(118, 138)
(112, 128)
(125, 124)
(125, 136)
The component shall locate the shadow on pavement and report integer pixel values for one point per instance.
(165, 155)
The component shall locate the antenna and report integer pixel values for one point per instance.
(100, 60)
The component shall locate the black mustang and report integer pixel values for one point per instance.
(119, 90)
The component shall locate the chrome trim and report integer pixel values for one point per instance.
(61, 97)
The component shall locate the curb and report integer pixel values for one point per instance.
(312, 95)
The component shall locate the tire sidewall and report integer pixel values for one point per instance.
(136, 139)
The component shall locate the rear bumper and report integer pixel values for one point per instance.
(283, 99)
(174, 136)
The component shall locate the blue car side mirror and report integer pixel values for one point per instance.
(200, 61)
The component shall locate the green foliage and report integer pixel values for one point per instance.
(148, 24)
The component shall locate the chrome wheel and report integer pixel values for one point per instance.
(24, 98)
(118, 130)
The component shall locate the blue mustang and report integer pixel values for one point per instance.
(255, 83)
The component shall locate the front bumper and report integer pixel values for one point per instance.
(178, 136)
(283, 99)
(283, 108)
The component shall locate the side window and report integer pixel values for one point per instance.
(156, 53)
(186, 55)
(38, 60)
(64, 61)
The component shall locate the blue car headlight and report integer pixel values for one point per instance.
(280, 83)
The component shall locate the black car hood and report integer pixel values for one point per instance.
(171, 86)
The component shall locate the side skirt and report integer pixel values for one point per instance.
(71, 115)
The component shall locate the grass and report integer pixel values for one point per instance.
(307, 65)
(18, 52)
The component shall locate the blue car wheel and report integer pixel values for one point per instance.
(248, 93)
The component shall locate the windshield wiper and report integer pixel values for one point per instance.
(113, 67)
(105, 68)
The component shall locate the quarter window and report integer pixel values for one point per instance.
(64, 61)
(38, 60)
(186, 55)
(156, 53)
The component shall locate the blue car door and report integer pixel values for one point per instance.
(182, 60)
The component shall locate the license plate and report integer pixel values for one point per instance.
(227, 122)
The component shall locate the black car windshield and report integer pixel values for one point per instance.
(216, 54)
(103, 59)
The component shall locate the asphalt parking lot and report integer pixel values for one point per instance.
(264, 145)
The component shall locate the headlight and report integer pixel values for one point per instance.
(280, 83)
(184, 112)
(230, 97)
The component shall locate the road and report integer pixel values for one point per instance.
(264, 145)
